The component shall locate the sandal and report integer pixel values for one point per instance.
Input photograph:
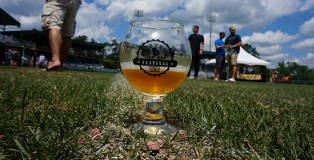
(54, 68)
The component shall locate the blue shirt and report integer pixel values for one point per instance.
(219, 42)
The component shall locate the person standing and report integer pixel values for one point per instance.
(58, 18)
(233, 43)
(220, 56)
(196, 41)
(7, 57)
(41, 60)
(34, 59)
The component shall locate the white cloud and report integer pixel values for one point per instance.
(306, 44)
(114, 10)
(100, 33)
(268, 44)
(89, 15)
(245, 39)
(296, 60)
(269, 50)
(270, 38)
(310, 56)
(103, 2)
(280, 8)
(307, 27)
(307, 60)
(275, 57)
(28, 22)
(22, 7)
(308, 4)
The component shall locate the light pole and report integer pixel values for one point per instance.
(138, 14)
(210, 18)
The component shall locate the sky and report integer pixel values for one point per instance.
(280, 30)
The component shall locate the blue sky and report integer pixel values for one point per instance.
(280, 30)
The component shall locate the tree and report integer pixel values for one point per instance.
(298, 72)
(114, 46)
(247, 47)
(112, 59)
(93, 41)
(81, 38)
(282, 69)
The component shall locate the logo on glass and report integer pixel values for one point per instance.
(155, 57)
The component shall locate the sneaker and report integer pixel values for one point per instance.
(231, 80)
(216, 79)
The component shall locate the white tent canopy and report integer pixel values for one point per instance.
(246, 59)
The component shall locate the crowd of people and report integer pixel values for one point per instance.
(38, 60)
(12, 57)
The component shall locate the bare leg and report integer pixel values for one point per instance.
(219, 74)
(66, 45)
(55, 41)
(234, 71)
(216, 74)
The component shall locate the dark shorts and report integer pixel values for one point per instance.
(220, 61)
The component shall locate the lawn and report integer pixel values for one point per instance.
(50, 115)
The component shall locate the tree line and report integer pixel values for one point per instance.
(287, 69)
(109, 55)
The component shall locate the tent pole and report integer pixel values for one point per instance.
(3, 31)
(23, 55)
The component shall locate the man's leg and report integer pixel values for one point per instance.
(65, 48)
(219, 72)
(197, 64)
(191, 66)
(55, 41)
(216, 74)
(220, 60)
(68, 29)
(216, 68)
(234, 71)
(234, 58)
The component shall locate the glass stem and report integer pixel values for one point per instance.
(153, 114)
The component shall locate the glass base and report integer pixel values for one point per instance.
(153, 121)
(156, 129)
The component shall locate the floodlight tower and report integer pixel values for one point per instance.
(210, 18)
(138, 14)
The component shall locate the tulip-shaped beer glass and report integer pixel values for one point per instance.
(155, 58)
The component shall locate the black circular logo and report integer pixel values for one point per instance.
(155, 57)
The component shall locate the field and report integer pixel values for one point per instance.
(50, 115)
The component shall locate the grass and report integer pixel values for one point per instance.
(49, 115)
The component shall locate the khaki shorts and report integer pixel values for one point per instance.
(60, 14)
(232, 59)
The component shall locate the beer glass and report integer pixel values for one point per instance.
(155, 58)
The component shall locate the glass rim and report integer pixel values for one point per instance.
(136, 23)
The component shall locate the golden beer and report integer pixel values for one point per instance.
(154, 85)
